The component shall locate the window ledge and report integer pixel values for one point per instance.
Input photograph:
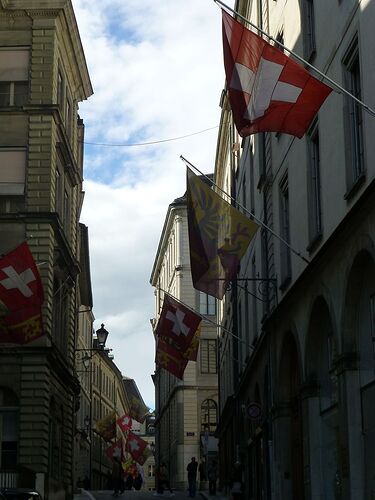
(354, 188)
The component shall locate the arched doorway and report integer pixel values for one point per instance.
(358, 341)
(289, 432)
(321, 405)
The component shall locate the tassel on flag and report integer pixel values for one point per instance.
(21, 291)
(219, 236)
(268, 91)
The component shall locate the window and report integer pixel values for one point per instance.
(353, 118)
(208, 354)
(284, 231)
(12, 179)
(14, 76)
(8, 429)
(309, 29)
(60, 88)
(313, 185)
(59, 313)
(207, 304)
(209, 416)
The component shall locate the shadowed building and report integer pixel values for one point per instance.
(43, 77)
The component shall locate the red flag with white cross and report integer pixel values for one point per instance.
(268, 91)
(125, 423)
(177, 324)
(136, 447)
(115, 450)
(21, 291)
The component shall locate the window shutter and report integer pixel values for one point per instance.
(14, 65)
(12, 172)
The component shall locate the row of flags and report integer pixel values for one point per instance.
(268, 92)
(134, 445)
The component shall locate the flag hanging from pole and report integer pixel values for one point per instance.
(125, 422)
(106, 427)
(219, 236)
(21, 291)
(137, 446)
(137, 410)
(177, 336)
(268, 91)
(177, 324)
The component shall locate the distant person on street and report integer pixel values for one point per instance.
(116, 476)
(202, 474)
(164, 480)
(192, 476)
(212, 477)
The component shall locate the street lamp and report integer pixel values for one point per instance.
(102, 335)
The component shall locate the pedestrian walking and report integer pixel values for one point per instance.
(192, 476)
(116, 477)
(212, 477)
(164, 480)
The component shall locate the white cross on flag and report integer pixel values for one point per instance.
(20, 283)
(268, 91)
(177, 324)
(125, 422)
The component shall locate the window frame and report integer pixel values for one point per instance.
(314, 197)
(353, 120)
(285, 253)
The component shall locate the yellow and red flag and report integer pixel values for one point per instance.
(106, 427)
(219, 236)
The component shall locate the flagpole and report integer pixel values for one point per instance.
(205, 317)
(261, 223)
(301, 59)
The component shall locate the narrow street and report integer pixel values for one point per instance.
(131, 495)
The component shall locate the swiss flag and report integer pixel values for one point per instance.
(268, 91)
(136, 447)
(177, 324)
(115, 450)
(125, 422)
(20, 283)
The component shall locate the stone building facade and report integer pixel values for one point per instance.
(43, 77)
(297, 409)
(186, 410)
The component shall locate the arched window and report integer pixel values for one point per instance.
(209, 415)
(9, 408)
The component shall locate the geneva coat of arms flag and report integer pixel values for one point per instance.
(219, 236)
(21, 292)
(268, 91)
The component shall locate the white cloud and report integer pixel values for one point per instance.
(157, 72)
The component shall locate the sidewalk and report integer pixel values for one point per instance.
(83, 495)
(218, 496)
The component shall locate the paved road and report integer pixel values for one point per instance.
(131, 495)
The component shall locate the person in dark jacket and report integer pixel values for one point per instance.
(192, 476)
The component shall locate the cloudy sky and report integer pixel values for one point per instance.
(157, 72)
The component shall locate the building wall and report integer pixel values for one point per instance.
(310, 366)
(36, 126)
(178, 403)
